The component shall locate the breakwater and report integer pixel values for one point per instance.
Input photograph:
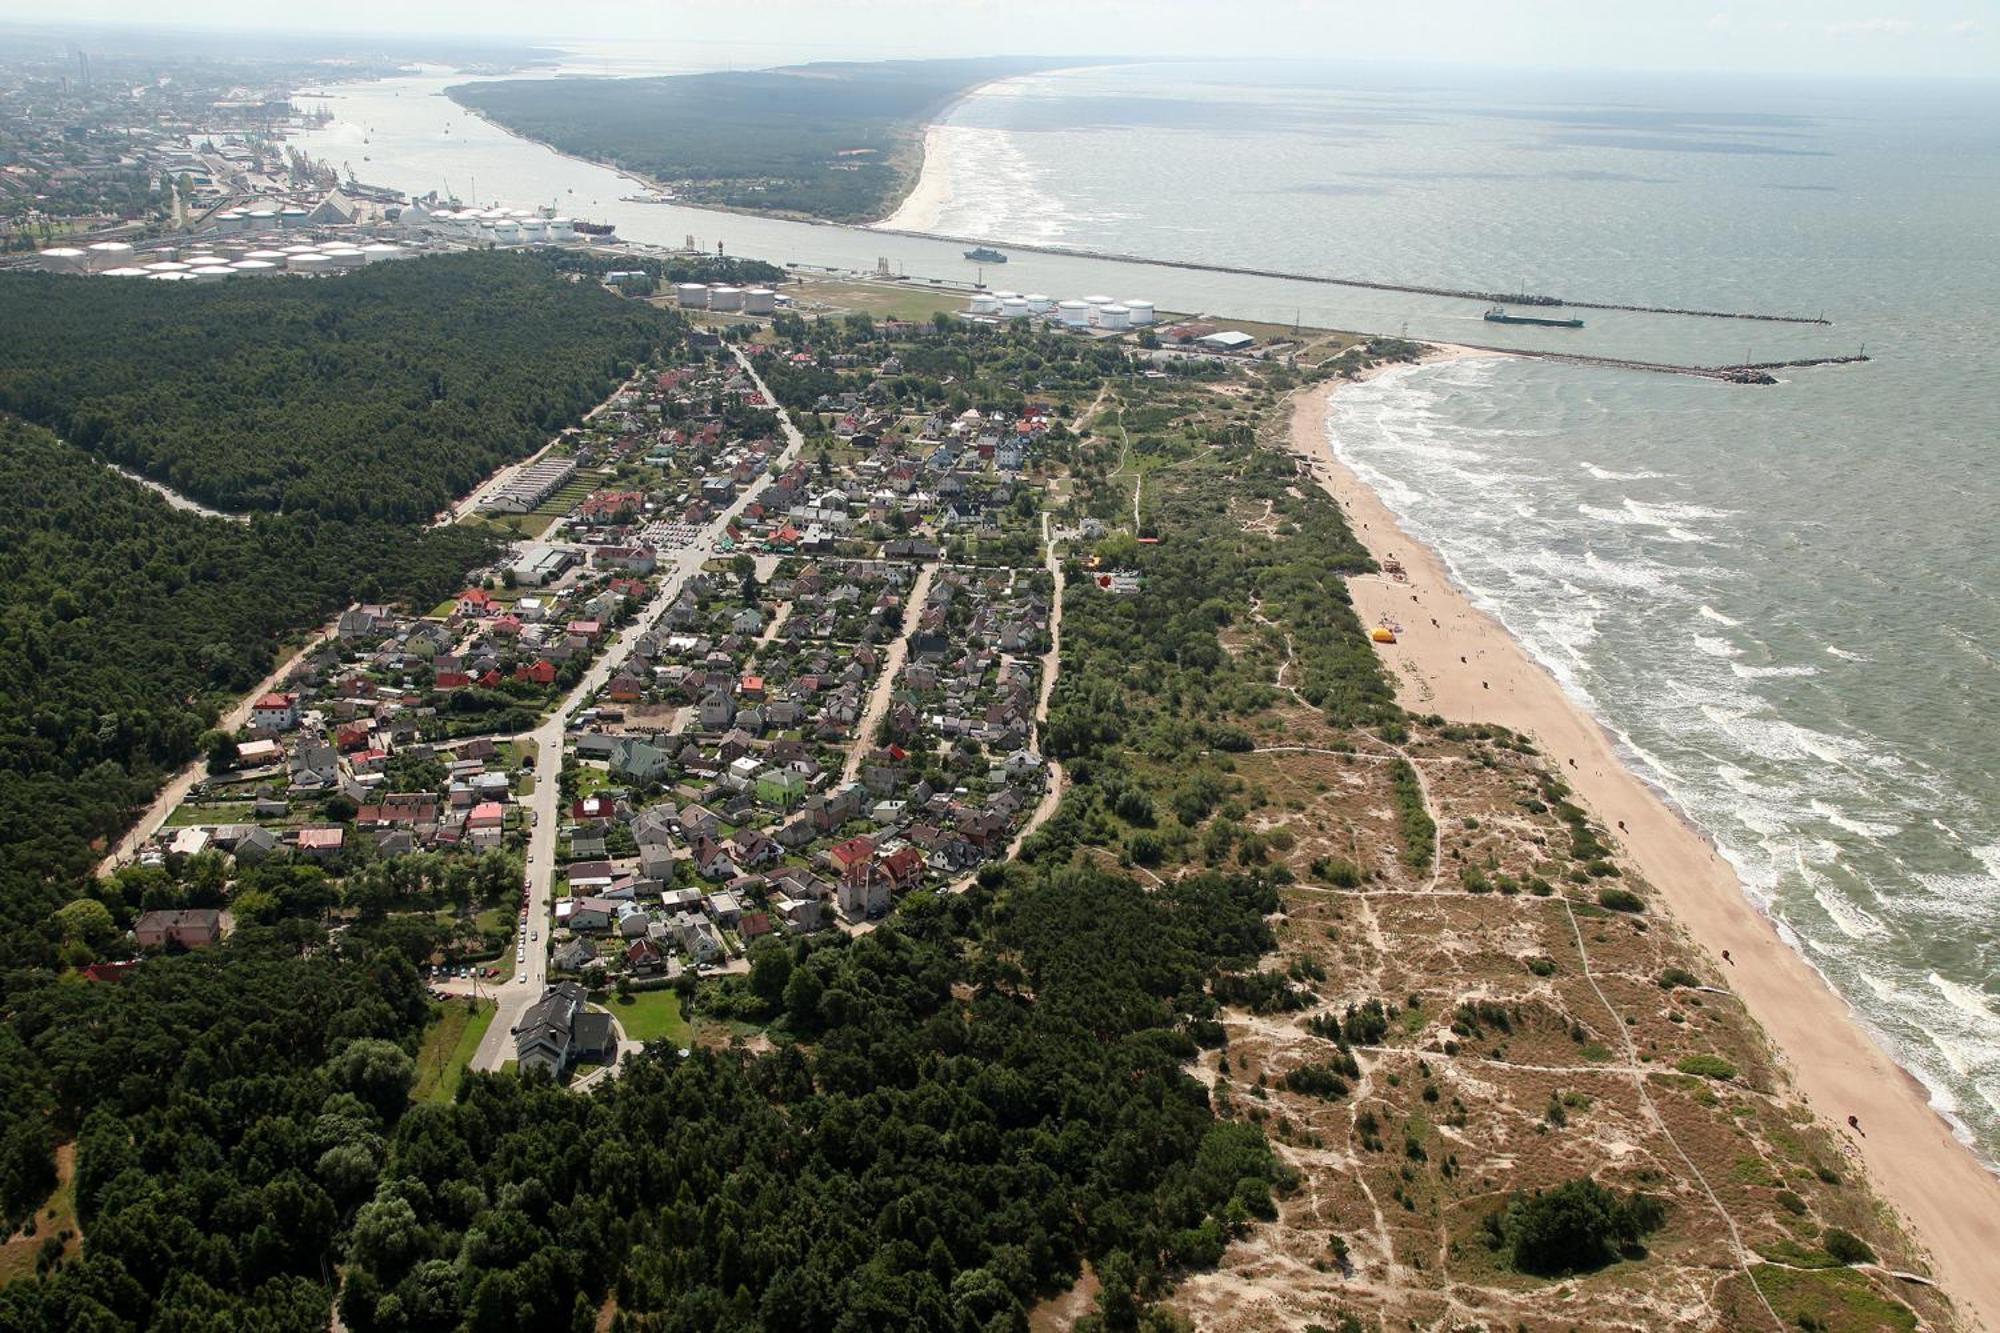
(1748, 372)
(1535, 299)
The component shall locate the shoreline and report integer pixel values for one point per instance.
(1947, 1201)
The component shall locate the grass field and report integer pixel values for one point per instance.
(57, 1214)
(651, 1016)
(449, 1045)
(912, 300)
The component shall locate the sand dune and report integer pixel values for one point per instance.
(1468, 668)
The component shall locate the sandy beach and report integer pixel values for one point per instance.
(1468, 668)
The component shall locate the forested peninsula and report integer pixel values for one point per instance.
(836, 140)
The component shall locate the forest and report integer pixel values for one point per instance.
(834, 139)
(381, 394)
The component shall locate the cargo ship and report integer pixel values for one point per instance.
(1498, 315)
(595, 228)
(986, 254)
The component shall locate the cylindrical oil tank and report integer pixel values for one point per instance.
(1142, 313)
(725, 298)
(1073, 314)
(313, 262)
(1013, 307)
(691, 295)
(1114, 316)
(63, 259)
(983, 303)
(760, 301)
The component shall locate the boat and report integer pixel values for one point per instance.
(985, 254)
(596, 228)
(1498, 315)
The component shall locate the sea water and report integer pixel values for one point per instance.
(1785, 602)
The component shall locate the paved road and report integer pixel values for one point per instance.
(516, 996)
(885, 684)
(176, 790)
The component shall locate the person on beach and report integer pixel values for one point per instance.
(1727, 959)
(1854, 1123)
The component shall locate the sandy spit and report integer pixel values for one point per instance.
(1470, 669)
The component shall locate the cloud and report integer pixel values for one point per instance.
(1718, 22)
(1872, 28)
(1967, 28)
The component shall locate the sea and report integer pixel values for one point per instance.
(1784, 602)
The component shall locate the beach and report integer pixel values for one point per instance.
(1469, 668)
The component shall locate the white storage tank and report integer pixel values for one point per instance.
(267, 256)
(168, 266)
(380, 251)
(346, 258)
(1038, 303)
(760, 301)
(1114, 316)
(1013, 307)
(63, 259)
(171, 277)
(562, 229)
(725, 298)
(108, 254)
(254, 267)
(292, 217)
(506, 232)
(127, 271)
(984, 303)
(534, 230)
(308, 263)
(1073, 314)
(691, 295)
(1142, 313)
(1097, 300)
(210, 272)
(1006, 296)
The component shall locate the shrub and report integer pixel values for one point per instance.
(1847, 1247)
(1671, 977)
(1706, 1066)
(1620, 900)
(1542, 967)
(1574, 1228)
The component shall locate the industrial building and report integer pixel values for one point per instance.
(540, 564)
(526, 489)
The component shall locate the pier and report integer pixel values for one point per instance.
(1465, 294)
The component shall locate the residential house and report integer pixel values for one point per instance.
(559, 1030)
(190, 928)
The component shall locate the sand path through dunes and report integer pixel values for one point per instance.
(1468, 668)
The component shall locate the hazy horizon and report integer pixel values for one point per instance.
(1913, 39)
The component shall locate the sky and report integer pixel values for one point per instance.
(1902, 38)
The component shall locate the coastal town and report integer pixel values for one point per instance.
(783, 689)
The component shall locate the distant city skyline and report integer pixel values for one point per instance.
(1910, 38)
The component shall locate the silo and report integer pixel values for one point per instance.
(1006, 296)
(107, 254)
(1013, 307)
(1073, 314)
(63, 259)
(1114, 316)
(308, 263)
(254, 267)
(229, 219)
(760, 301)
(691, 295)
(984, 303)
(1142, 313)
(725, 298)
